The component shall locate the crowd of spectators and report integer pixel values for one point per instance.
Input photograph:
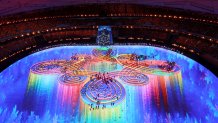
(130, 23)
(198, 45)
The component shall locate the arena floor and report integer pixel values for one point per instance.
(108, 84)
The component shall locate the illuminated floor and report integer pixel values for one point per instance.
(99, 84)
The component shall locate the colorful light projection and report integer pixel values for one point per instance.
(40, 92)
(103, 93)
(48, 87)
(68, 98)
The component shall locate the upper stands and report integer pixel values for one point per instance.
(184, 31)
(14, 6)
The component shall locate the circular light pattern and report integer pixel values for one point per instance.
(103, 93)
(135, 79)
(47, 67)
(72, 79)
(72, 72)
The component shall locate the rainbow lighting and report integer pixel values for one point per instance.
(108, 84)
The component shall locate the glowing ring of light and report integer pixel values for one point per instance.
(115, 92)
(72, 79)
(47, 67)
(137, 79)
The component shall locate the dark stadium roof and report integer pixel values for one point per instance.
(14, 6)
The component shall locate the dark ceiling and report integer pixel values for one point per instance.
(14, 6)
